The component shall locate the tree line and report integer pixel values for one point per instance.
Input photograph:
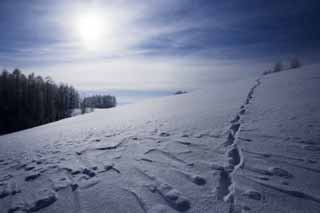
(28, 101)
(98, 101)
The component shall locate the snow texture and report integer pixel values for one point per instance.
(244, 146)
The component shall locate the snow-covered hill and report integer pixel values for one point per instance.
(244, 146)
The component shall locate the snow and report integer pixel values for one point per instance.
(243, 146)
(279, 138)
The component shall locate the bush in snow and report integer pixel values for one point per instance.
(278, 67)
(180, 92)
(295, 63)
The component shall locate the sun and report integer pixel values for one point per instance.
(90, 28)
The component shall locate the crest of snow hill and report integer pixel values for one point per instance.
(29, 101)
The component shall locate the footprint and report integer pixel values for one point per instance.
(280, 172)
(222, 189)
(236, 119)
(252, 194)
(185, 135)
(196, 179)
(234, 157)
(235, 127)
(32, 176)
(174, 197)
(88, 172)
(164, 134)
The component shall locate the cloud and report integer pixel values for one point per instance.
(153, 43)
(152, 28)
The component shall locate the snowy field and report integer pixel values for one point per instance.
(243, 146)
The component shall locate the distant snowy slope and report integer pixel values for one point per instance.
(218, 149)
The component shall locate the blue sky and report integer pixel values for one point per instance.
(154, 44)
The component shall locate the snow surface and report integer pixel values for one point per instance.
(243, 146)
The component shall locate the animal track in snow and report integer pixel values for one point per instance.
(224, 183)
(226, 186)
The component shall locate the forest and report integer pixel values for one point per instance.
(28, 101)
(98, 101)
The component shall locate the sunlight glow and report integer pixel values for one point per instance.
(91, 29)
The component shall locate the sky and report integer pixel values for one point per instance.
(154, 45)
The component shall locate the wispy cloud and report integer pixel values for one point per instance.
(153, 43)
